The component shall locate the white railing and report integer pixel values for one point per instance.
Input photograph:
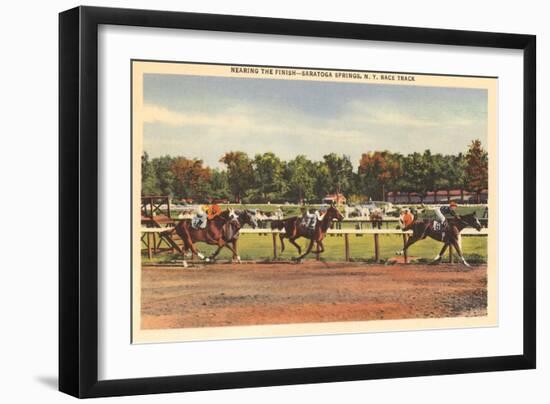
(152, 247)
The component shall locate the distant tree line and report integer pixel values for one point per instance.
(267, 178)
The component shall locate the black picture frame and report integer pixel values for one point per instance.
(78, 181)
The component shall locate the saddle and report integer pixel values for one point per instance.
(196, 222)
(442, 228)
(305, 229)
(437, 226)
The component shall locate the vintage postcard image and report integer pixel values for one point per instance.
(285, 201)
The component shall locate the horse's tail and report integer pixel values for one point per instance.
(277, 224)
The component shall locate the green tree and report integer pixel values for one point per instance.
(452, 170)
(218, 186)
(419, 174)
(268, 173)
(240, 173)
(322, 184)
(477, 168)
(340, 173)
(165, 176)
(149, 181)
(300, 179)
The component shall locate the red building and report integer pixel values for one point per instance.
(334, 198)
(442, 196)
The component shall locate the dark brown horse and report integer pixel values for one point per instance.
(449, 234)
(222, 231)
(295, 229)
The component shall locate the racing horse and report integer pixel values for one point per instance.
(448, 234)
(222, 231)
(294, 229)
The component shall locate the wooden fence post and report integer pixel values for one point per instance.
(274, 236)
(346, 246)
(149, 253)
(405, 258)
(376, 248)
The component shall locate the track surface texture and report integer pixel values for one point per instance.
(259, 294)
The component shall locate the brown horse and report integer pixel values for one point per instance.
(448, 235)
(294, 229)
(222, 231)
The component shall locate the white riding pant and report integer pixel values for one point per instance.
(439, 216)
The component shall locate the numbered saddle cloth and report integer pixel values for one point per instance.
(307, 224)
(198, 221)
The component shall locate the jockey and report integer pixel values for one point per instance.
(203, 214)
(309, 218)
(213, 211)
(199, 220)
(406, 219)
(442, 211)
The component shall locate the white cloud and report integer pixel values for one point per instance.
(156, 114)
(257, 128)
(392, 115)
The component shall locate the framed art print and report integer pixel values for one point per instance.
(250, 201)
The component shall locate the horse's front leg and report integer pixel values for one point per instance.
(307, 251)
(320, 247)
(233, 248)
(440, 255)
(236, 256)
(456, 245)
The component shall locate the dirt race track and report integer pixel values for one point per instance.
(247, 294)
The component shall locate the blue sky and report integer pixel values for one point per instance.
(204, 117)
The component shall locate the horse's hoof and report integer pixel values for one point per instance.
(207, 259)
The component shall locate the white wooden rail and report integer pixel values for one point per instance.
(248, 230)
(151, 245)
